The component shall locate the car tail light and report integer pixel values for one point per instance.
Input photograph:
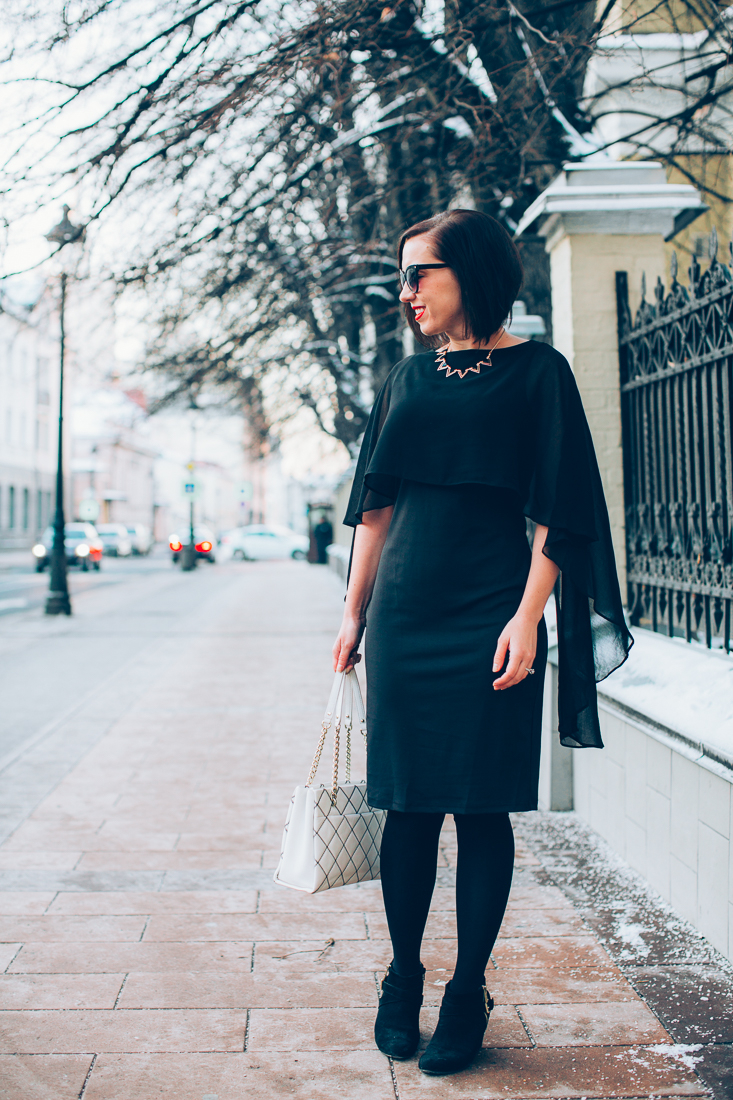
(203, 547)
(175, 544)
(82, 550)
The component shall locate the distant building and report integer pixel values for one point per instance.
(29, 353)
(113, 457)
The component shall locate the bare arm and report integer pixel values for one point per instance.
(519, 635)
(368, 543)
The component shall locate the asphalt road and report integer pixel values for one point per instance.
(22, 589)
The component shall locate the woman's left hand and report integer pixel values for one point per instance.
(519, 636)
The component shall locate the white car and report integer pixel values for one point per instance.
(261, 540)
(115, 539)
(141, 538)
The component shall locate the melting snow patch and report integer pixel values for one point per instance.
(681, 1052)
(593, 875)
(631, 934)
(635, 1055)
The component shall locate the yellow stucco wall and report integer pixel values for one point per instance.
(713, 171)
(653, 16)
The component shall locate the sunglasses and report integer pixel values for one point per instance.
(411, 275)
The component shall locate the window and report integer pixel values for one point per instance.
(42, 375)
(39, 509)
(11, 507)
(700, 246)
(26, 509)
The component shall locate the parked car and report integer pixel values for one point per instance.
(258, 541)
(204, 542)
(115, 539)
(229, 544)
(141, 538)
(81, 541)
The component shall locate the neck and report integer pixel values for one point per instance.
(470, 343)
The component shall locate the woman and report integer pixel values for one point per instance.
(464, 442)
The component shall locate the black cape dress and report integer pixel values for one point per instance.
(464, 458)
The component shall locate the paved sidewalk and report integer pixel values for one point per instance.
(147, 953)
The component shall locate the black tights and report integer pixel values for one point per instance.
(409, 861)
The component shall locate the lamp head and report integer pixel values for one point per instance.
(66, 232)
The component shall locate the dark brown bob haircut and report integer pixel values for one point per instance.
(485, 261)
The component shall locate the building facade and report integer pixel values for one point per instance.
(113, 455)
(29, 378)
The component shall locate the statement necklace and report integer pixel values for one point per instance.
(443, 365)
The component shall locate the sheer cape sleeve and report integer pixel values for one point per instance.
(566, 496)
(370, 491)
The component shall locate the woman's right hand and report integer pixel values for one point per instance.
(345, 654)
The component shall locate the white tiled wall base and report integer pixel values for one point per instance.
(663, 807)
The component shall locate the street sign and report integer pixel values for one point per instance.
(88, 510)
(191, 489)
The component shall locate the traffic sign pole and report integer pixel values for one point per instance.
(188, 558)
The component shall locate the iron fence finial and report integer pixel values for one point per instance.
(713, 245)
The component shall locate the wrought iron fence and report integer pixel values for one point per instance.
(676, 360)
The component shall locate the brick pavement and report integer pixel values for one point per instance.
(147, 954)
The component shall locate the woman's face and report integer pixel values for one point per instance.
(437, 301)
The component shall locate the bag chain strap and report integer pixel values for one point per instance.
(342, 700)
(335, 787)
(347, 727)
(325, 726)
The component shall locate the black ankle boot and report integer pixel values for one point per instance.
(396, 1028)
(457, 1038)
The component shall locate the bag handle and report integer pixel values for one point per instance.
(344, 702)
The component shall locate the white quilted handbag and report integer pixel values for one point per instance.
(332, 836)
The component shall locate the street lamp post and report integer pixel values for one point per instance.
(58, 602)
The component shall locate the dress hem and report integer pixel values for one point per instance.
(443, 809)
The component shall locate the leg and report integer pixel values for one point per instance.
(408, 861)
(485, 864)
(483, 881)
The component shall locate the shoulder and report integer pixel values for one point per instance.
(410, 367)
(412, 362)
(384, 395)
(547, 370)
(543, 358)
